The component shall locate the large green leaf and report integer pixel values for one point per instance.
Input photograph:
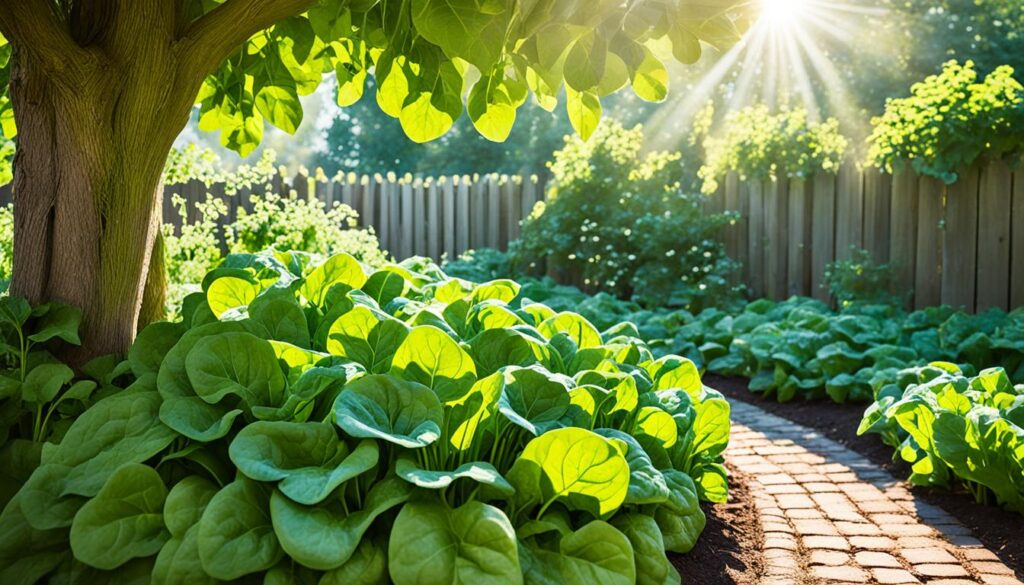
(340, 269)
(534, 399)
(474, 543)
(307, 458)
(479, 471)
(123, 428)
(652, 566)
(579, 468)
(236, 537)
(238, 364)
(473, 30)
(367, 566)
(465, 415)
(124, 521)
(596, 553)
(368, 337)
(326, 536)
(27, 554)
(185, 504)
(382, 407)
(647, 485)
(432, 358)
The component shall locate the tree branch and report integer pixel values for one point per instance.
(32, 26)
(214, 36)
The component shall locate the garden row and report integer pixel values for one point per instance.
(319, 420)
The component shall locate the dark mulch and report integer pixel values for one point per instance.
(999, 530)
(729, 552)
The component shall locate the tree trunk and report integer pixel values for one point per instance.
(88, 199)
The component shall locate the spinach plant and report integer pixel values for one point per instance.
(317, 420)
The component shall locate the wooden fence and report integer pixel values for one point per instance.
(421, 217)
(961, 244)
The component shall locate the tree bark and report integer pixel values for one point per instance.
(99, 95)
(87, 196)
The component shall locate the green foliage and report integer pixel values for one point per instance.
(6, 244)
(325, 420)
(38, 398)
(759, 144)
(860, 280)
(949, 121)
(423, 56)
(952, 428)
(618, 218)
(800, 348)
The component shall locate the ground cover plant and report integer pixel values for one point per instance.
(311, 419)
(953, 428)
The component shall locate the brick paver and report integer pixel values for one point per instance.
(831, 516)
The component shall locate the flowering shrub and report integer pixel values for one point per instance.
(950, 120)
(759, 144)
(619, 217)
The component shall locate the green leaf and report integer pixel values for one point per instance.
(338, 269)
(367, 566)
(229, 293)
(44, 381)
(236, 537)
(43, 501)
(152, 345)
(281, 107)
(584, 110)
(367, 337)
(467, 29)
(647, 485)
(465, 415)
(680, 531)
(325, 537)
(279, 317)
(123, 428)
(596, 553)
(238, 364)
(576, 467)
(59, 321)
(650, 79)
(124, 521)
(474, 543)
(575, 326)
(179, 563)
(534, 399)
(652, 566)
(27, 554)
(479, 471)
(185, 504)
(307, 458)
(432, 358)
(381, 407)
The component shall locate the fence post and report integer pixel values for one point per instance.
(434, 241)
(448, 213)
(995, 196)
(798, 259)
(419, 219)
(960, 240)
(903, 229)
(776, 196)
(755, 251)
(1017, 244)
(823, 231)
(927, 278)
(462, 211)
(849, 210)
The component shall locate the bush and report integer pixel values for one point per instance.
(758, 144)
(955, 429)
(618, 217)
(949, 121)
(859, 280)
(304, 225)
(327, 421)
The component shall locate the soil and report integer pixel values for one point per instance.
(997, 529)
(729, 552)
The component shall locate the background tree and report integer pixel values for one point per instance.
(101, 88)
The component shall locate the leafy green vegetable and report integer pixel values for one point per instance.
(339, 419)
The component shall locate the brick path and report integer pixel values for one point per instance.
(831, 516)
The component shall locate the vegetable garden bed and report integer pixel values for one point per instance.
(997, 529)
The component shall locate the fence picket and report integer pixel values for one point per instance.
(849, 225)
(462, 235)
(1017, 244)
(797, 232)
(877, 194)
(960, 240)
(995, 196)
(755, 239)
(928, 267)
(823, 251)
(903, 229)
(776, 251)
